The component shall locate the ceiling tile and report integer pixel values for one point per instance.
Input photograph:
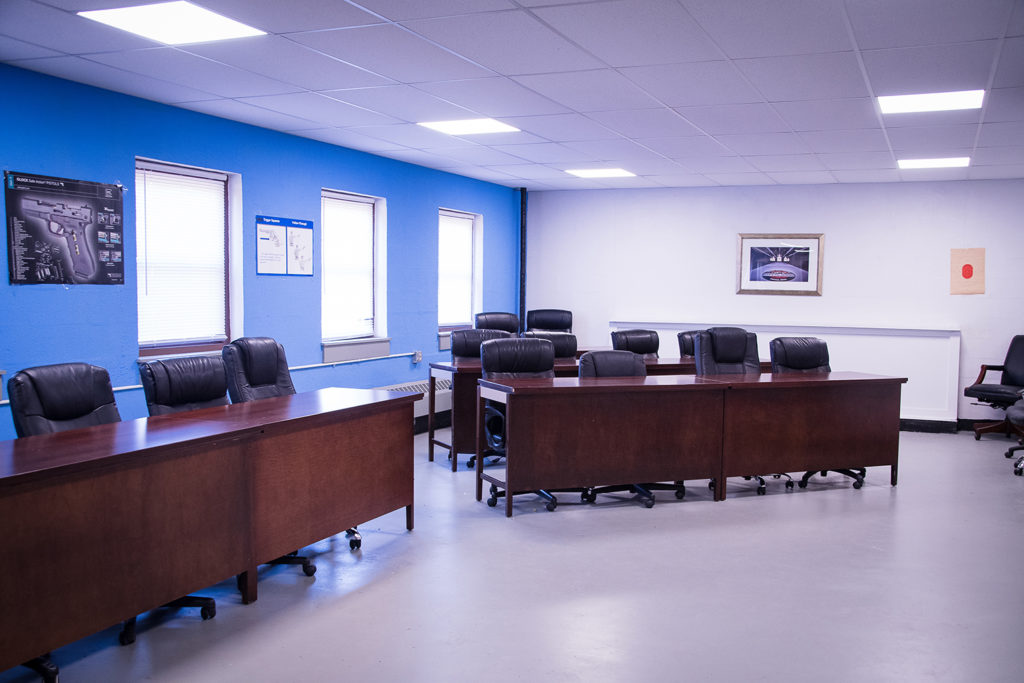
(411, 135)
(713, 164)
(403, 102)
(288, 62)
(421, 158)
(498, 97)
(530, 171)
(1005, 104)
(633, 32)
(350, 139)
(995, 172)
(932, 140)
(767, 28)
(932, 118)
(1010, 72)
(848, 161)
(933, 174)
(563, 127)
(401, 10)
(175, 66)
(939, 68)
(680, 85)
(613, 150)
(645, 123)
(547, 153)
(485, 39)
(802, 177)
(866, 140)
(323, 110)
(475, 154)
(408, 58)
(657, 166)
(806, 77)
(11, 49)
(999, 134)
(764, 143)
(691, 146)
(848, 114)
(867, 175)
(787, 163)
(735, 118)
(684, 180)
(293, 15)
(58, 30)
(910, 23)
(246, 113)
(997, 156)
(740, 178)
(587, 91)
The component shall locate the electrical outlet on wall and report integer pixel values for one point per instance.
(417, 356)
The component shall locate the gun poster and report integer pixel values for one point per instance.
(63, 231)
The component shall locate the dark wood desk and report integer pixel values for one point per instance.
(103, 523)
(570, 432)
(464, 373)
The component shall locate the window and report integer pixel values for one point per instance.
(182, 258)
(352, 246)
(458, 284)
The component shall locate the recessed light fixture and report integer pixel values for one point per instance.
(936, 101)
(173, 23)
(950, 162)
(601, 173)
(469, 127)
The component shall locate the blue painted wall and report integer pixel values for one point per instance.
(54, 127)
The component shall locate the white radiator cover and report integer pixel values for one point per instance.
(442, 395)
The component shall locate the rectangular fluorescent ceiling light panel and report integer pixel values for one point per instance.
(936, 101)
(601, 173)
(950, 162)
(173, 23)
(469, 127)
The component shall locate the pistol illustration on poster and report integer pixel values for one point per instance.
(70, 223)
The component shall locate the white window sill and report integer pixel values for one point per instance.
(355, 349)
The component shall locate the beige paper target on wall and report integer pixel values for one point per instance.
(967, 271)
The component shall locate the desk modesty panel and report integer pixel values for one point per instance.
(575, 432)
(103, 523)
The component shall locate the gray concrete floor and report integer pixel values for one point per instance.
(920, 582)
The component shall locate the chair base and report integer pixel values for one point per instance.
(308, 568)
(1003, 426)
(855, 473)
(552, 501)
(207, 610)
(45, 667)
(490, 453)
(643, 491)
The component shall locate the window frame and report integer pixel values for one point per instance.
(476, 279)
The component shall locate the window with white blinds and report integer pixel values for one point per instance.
(181, 237)
(456, 267)
(348, 255)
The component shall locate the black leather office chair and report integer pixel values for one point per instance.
(644, 342)
(549, 319)
(807, 355)
(175, 385)
(1015, 414)
(622, 364)
(512, 359)
(565, 342)
(56, 398)
(509, 322)
(466, 343)
(1004, 394)
(686, 343)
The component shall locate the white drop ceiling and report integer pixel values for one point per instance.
(681, 92)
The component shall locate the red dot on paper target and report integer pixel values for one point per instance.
(967, 271)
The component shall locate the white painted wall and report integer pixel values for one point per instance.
(670, 255)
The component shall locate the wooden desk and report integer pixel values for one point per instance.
(570, 432)
(464, 373)
(103, 523)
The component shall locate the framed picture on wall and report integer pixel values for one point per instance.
(780, 264)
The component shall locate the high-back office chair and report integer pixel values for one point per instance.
(512, 359)
(57, 398)
(565, 342)
(549, 319)
(644, 342)
(807, 355)
(686, 343)
(1004, 394)
(622, 364)
(509, 322)
(175, 385)
(466, 343)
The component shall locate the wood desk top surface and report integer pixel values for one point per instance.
(28, 458)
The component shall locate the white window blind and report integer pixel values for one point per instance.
(347, 247)
(181, 261)
(455, 266)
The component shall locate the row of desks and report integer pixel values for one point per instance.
(567, 432)
(100, 524)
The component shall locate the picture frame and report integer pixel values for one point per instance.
(789, 264)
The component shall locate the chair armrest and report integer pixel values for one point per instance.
(985, 369)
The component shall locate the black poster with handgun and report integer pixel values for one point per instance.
(63, 231)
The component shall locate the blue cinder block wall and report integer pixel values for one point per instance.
(50, 126)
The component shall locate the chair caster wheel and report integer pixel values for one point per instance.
(802, 484)
(308, 568)
(125, 638)
(355, 544)
(492, 501)
(680, 494)
(857, 484)
(1008, 454)
(551, 506)
(789, 484)
(977, 437)
(761, 490)
(711, 484)
(588, 497)
(649, 503)
(471, 464)
(208, 612)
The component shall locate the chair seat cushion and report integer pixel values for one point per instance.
(1003, 394)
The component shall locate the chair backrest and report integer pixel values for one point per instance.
(56, 398)
(466, 343)
(257, 368)
(686, 343)
(515, 358)
(730, 350)
(612, 364)
(1013, 366)
(175, 385)
(509, 322)
(550, 319)
(799, 354)
(565, 343)
(644, 342)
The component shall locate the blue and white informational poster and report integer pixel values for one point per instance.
(284, 246)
